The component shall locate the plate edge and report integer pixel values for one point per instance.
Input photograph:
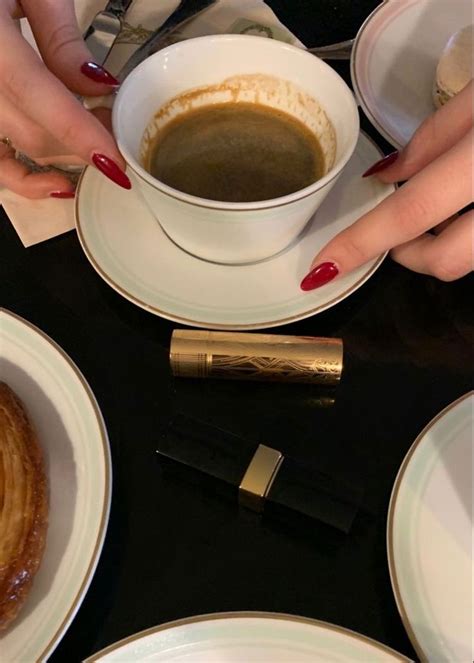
(357, 89)
(73, 609)
(98, 656)
(390, 520)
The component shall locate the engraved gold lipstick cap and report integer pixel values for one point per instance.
(249, 356)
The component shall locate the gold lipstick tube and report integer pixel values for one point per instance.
(249, 356)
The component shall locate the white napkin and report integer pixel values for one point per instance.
(38, 220)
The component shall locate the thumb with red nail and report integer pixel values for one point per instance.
(437, 168)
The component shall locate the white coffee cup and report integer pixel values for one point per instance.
(235, 67)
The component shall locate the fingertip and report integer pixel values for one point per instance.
(397, 171)
(99, 74)
(79, 84)
(319, 275)
(82, 76)
(63, 194)
(390, 176)
(111, 169)
(37, 186)
(17, 178)
(382, 164)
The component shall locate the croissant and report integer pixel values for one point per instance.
(23, 505)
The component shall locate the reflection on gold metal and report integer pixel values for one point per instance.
(321, 402)
(258, 478)
(270, 357)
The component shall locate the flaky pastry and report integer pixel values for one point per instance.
(23, 505)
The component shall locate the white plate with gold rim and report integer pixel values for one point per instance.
(130, 251)
(72, 434)
(430, 533)
(253, 637)
(394, 59)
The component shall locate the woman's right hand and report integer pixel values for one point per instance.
(39, 114)
(418, 222)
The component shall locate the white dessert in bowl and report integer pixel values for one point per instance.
(455, 68)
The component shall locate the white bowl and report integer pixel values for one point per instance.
(264, 70)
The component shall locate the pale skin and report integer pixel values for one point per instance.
(438, 167)
(39, 113)
(42, 118)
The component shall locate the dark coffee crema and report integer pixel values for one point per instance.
(235, 152)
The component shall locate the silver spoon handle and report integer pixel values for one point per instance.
(186, 10)
(339, 51)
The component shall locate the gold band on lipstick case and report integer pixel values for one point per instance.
(258, 478)
(249, 356)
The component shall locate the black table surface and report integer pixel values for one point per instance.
(173, 549)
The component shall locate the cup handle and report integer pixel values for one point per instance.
(107, 101)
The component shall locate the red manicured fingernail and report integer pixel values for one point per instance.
(62, 194)
(98, 74)
(382, 164)
(319, 276)
(111, 170)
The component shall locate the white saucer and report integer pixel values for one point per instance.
(253, 637)
(394, 59)
(130, 251)
(430, 533)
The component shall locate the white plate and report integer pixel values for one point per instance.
(394, 61)
(429, 537)
(73, 436)
(129, 250)
(247, 637)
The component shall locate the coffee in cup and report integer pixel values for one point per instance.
(235, 152)
(269, 80)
